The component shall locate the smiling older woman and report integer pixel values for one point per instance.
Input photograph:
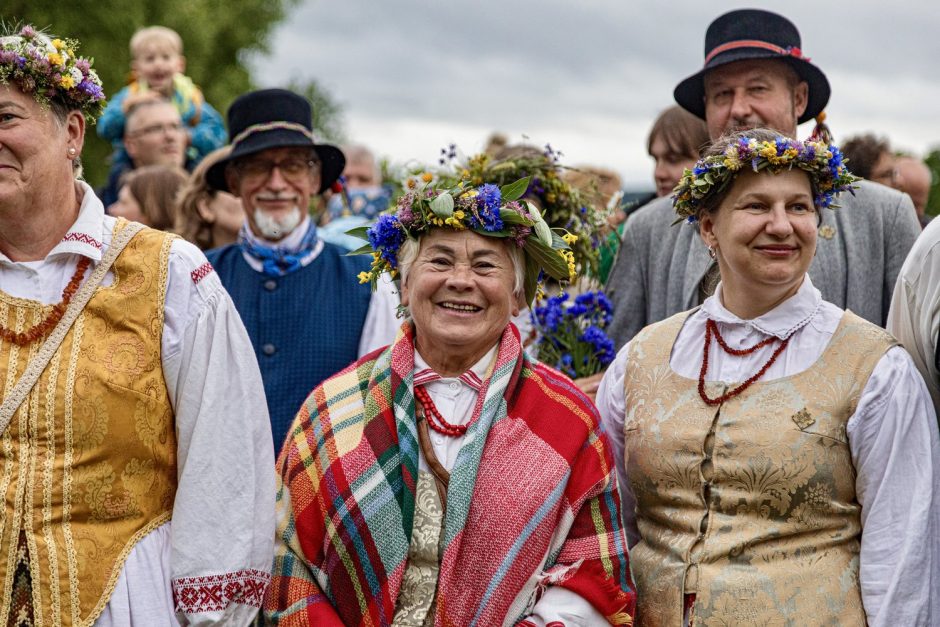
(448, 479)
(781, 453)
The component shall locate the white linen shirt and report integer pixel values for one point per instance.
(222, 524)
(455, 400)
(892, 437)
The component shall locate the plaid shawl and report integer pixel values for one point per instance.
(532, 500)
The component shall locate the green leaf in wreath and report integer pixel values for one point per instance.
(514, 191)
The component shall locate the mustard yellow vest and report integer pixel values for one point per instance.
(88, 462)
(751, 505)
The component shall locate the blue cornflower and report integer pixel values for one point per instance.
(386, 236)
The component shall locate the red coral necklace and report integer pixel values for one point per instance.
(42, 328)
(435, 420)
(711, 328)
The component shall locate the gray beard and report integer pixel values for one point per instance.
(277, 228)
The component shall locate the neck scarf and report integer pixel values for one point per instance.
(277, 261)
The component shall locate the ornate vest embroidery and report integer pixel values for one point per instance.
(750, 505)
(88, 463)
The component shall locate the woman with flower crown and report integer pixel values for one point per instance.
(448, 479)
(779, 456)
(135, 450)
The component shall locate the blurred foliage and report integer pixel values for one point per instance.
(933, 201)
(328, 122)
(217, 37)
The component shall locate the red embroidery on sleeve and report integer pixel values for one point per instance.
(213, 593)
(201, 272)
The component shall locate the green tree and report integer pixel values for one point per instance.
(933, 201)
(328, 120)
(217, 37)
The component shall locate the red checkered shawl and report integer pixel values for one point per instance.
(532, 499)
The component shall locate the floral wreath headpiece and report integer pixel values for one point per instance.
(486, 210)
(711, 175)
(49, 70)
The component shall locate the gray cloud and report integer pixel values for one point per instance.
(601, 68)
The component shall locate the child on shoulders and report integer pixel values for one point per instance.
(158, 64)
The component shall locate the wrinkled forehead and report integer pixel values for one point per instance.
(749, 70)
(464, 243)
(158, 112)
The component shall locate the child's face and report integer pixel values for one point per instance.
(157, 63)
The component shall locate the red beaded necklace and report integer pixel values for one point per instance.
(711, 327)
(38, 331)
(435, 420)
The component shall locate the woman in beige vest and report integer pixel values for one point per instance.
(777, 454)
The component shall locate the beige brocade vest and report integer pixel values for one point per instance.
(751, 505)
(415, 606)
(88, 462)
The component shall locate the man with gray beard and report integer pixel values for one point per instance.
(299, 297)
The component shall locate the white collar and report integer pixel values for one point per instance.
(781, 321)
(86, 234)
(479, 368)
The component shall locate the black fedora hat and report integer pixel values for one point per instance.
(274, 118)
(753, 34)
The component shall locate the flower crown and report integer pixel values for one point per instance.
(49, 70)
(711, 175)
(487, 210)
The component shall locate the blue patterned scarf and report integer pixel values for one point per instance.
(278, 261)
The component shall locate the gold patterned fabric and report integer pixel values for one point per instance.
(88, 462)
(415, 604)
(751, 505)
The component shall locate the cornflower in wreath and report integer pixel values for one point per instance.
(564, 207)
(50, 70)
(485, 209)
(709, 178)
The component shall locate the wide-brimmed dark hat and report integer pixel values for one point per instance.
(753, 34)
(274, 118)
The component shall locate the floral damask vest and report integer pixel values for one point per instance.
(750, 506)
(88, 462)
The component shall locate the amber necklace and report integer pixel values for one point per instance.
(41, 328)
(711, 328)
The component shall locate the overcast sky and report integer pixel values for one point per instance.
(588, 76)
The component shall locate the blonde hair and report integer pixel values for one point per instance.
(189, 223)
(156, 35)
(154, 188)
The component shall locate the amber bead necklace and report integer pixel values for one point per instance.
(42, 328)
(711, 328)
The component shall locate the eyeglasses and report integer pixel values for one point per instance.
(292, 168)
(153, 129)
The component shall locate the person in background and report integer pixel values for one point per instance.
(778, 455)
(208, 217)
(676, 141)
(148, 196)
(298, 295)
(360, 200)
(870, 157)
(136, 459)
(914, 178)
(153, 135)
(756, 75)
(157, 63)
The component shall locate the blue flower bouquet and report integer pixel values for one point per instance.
(572, 336)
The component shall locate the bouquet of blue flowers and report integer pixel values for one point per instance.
(572, 336)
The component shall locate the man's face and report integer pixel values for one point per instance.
(753, 93)
(275, 187)
(360, 174)
(154, 135)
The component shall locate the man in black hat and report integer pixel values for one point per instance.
(756, 75)
(299, 297)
